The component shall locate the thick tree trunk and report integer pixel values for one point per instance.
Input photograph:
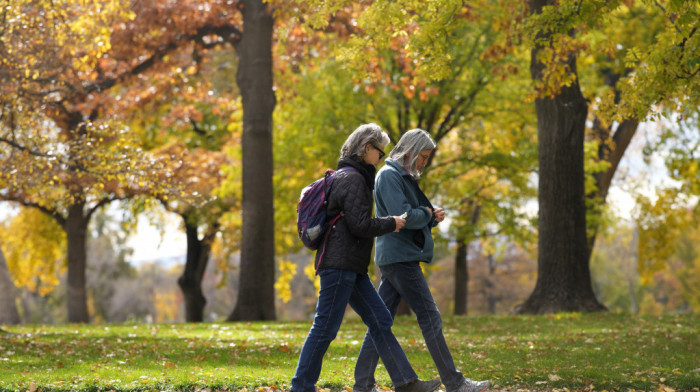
(256, 296)
(76, 234)
(461, 278)
(190, 281)
(563, 280)
(8, 307)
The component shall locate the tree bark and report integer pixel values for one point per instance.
(190, 281)
(461, 278)
(76, 233)
(563, 279)
(491, 289)
(256, 296)
(8, 307)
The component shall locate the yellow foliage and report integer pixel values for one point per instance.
(34, 246)
(310, 271)
(650, 306)
(168, 305)
(660, 224)
(283, 285)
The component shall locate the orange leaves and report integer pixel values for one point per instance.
(284, 347)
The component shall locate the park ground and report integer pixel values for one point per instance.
(562, 352)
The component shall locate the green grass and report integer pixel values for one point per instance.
(573, 351)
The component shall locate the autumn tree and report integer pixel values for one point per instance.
(193, 123)
(66, 158)
(200, 171)
(564, 275)
(154, 41)
(440, 68)
(563, 280)
(222, 25)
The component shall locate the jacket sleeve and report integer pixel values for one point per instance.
(357, 206)
(390, 194)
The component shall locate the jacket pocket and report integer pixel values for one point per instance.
(419, 239)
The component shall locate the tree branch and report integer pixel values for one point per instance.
(673, 22)
(60, 219)
(228, 33)
(100, 204)
(29, 150)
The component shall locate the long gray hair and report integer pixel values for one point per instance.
(411, 144)
(354, 146)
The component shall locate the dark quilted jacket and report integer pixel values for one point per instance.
(350, 241)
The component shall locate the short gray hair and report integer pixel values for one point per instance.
(411, 144)
(354, 146)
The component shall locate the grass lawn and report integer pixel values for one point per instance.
(613, 352)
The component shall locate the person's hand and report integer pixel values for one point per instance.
(439, 214)
(399, 223)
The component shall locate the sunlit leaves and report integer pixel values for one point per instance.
(659, 223)
(652, 45)
(34, 247)
(440, 66)
(287, 271)
(66, 29)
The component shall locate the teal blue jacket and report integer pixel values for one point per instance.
(396, 192)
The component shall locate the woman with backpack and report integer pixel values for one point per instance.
(343, 267)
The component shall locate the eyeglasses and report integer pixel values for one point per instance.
(381, 153)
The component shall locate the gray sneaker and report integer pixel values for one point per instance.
(420, 386)
(473, 386)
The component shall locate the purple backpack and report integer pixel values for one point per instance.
(312, 220)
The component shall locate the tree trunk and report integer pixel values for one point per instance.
(462, 264)
(190, 281)
(563, 279)
(461, 278)
(76, 234)
(8, 307)
(256, 296)
(490, 286)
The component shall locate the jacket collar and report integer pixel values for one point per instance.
(397, 166)
(368, 171)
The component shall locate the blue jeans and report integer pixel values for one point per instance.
(406, 280)
(338, 289)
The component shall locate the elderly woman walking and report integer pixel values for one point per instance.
(343, 265)
(399, 255)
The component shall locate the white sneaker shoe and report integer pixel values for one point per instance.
(474, 386)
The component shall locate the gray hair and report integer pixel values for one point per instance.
(354, 146)
(411, 144)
